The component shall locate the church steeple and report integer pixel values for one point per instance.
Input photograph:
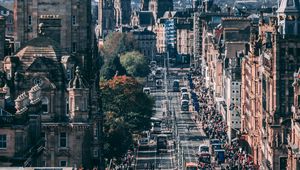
(288, 17)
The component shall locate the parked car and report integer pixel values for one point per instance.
(147, 90)
(183, 90)
(185, 105)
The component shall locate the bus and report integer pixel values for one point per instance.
(191, 166)
(161, 143)
(176, 86)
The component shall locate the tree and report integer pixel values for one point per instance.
(118, 43)
(127, 110)
(112, 67)
(135, 64)
(124, 96)
(117, 136)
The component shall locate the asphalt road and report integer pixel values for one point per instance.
(186, 143)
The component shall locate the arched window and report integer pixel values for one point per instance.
(45, 105)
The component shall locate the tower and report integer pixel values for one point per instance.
(67, 21)
(144, 5)
(106, 21)
(289, 18)
(159, 7)
(122, 12)
(78, 98)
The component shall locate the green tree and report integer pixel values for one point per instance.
(118, 43)
(117, 135)
(135, 64)
(124, 96)
(111, 67)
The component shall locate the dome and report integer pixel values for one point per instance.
(78, 81)
(42, 46)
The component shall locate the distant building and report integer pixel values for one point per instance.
(146, 42)
(112, 14)
(9, 16)
(159, 7)
(143, 19)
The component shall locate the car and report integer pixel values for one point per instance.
(183, 90)
(144, 138)
(203, 149)
(153, 64)
(185, 105)
(159, 83)
(147, 90)
(185, 96)
(155, 125)
(176, 85)
(159, 73)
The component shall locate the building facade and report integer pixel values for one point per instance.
(65, 20)
(112, 14)
(294, 138)
(46, 87)
(159, 7)
(266, 107)
(146, 42)
(9, 16)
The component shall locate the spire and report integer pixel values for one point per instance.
(78, 81)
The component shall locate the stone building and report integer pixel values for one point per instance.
(266, 106)
(294, 138)
(112, 14)
(65, 19)
(146, 42)
(9, 16)
(67, 110)
(159, 7)
(2, 37)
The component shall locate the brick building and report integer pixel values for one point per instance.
(267, 91)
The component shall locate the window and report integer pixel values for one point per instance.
(63, 139)
(74, 47)
(95, 153)
(44, 137)
(69, 74)
(73, 20)
(62, 163)
(45, 105)
(29, 20)
(67, 106)
(95, 132)
(3, 141)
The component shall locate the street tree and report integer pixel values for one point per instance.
(135, 64)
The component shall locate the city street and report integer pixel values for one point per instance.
(187, 135)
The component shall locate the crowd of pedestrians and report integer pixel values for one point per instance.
(216, 128)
